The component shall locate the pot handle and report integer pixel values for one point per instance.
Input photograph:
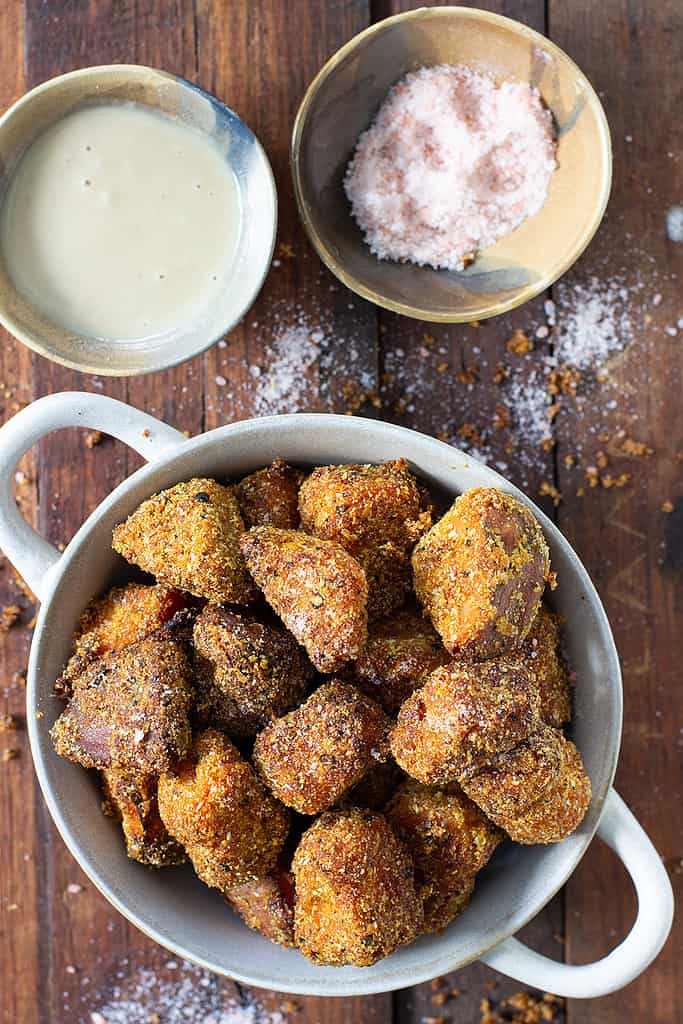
(32, 556)
(621, 831)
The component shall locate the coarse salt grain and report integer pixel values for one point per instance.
(452, 163)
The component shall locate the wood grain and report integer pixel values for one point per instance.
(631, 547)
(441, 380)
(63, 951)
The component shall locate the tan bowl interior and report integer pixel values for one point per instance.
(341, 103)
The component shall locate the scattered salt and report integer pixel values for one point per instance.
(193, 996)
(452, 163)
(674, 224)
(595, 321)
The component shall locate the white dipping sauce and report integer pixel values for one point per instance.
(120, 222)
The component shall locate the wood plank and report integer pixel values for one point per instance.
(450, 382)
(306, 344)
(20, 945)
(631, 547)
(99, 957)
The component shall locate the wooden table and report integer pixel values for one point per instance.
(63, 950)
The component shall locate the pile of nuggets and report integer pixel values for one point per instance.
(333, 702)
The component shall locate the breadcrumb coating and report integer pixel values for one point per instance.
(131, 798)
(375, 788)
(539, 792)
(355, 894)
(374, 513)
(129, 709)
(480, 572)
(188, 537)
(450, 841)
(265, 907)
(318, 590)
(270, 496)
(542, 656)
(464, 716)
(515, 780)
(122, 616)
(249, 671)
(313, 755)
(214, 804)
(401, 652)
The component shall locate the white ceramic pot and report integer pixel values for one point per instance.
(171, 905)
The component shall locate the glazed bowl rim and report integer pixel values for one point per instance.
(166, 359)
(354, 283)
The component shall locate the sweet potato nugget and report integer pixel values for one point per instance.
(374, 513)
(250, 671)
(270, 497)
(538, 792)
(480, 572)
(449, 839)
(313, 755)
(541, 654)
(318, 590)
(402, 650)
(355, 894)
(463, 717)
(131, 798)
(230, 826)
(267, 906)
(129, 709)
(122, 616)
(188, 537)
(376, 786)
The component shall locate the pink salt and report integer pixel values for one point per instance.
(452, 163)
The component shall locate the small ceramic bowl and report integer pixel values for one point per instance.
(171, 95)
(342, 101)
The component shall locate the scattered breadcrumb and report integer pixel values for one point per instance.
(636, 448)
(9, 754)
(519, 343)
(549, 490)
(523, 1008)
(93, 438)
(470, 375)
(667, 506)
(8, 723)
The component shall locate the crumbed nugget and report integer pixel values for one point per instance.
(318, 590)
(313, 755)
(267, 906)
(480, 573)
(258, 666)
(402, 650)
(188, 537)
(129, 709)
(538, 792)
(131, 798)
(355, 894)
(541, 654)
(449, 839)
(376, 787)
(270, 496)
(374, 513)
(122, 616)
(464, 716)
(214, 804)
